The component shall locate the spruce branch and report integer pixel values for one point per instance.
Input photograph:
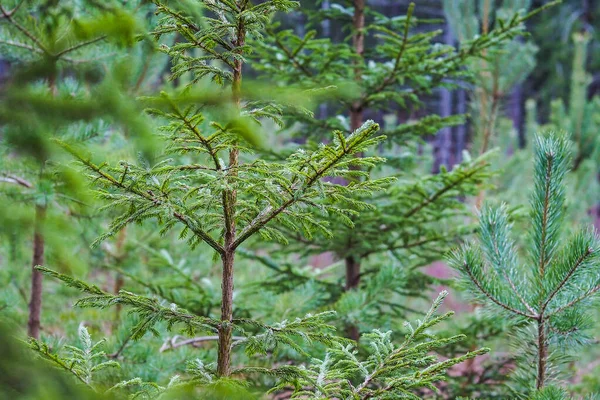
(9, 17)
(149, 310)
(21, 45)
(343, 149)
(44, 351)
(146, 195)
(206, 143)
(392, 75)
(386, 370)
(6, 14)
(83, 361)
(80, 45)
(16, 180)
(291, 55)
(453, 183)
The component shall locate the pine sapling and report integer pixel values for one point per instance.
(551, 289)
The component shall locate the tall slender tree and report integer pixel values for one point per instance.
(43, 47)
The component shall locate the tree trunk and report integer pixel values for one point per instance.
(226, 328)
(229, 201)
(356, 120)
(35, 302)
(542, 355)
(461, 130)
(443, 140)
(516, 111)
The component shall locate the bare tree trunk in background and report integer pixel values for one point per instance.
(326, 27)
(586, 12)
(461, 130)
(324, 259)
(516, 112)
(356, 120)
(35, 302)
(443, 140)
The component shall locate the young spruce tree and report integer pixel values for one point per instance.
(208, 184)
(388, 64)
(41, 41)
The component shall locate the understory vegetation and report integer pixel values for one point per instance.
(277, 199)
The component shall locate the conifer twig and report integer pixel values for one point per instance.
(566, 278)
(573, 302)
(79, 45)
(431, 199)
(17, 180)
(9, 18)
(172, 343)
(487, 294)
(269, 213)
(6, 14)
(21, 45)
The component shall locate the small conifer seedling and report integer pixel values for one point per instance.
(549, 291)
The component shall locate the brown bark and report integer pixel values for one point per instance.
(35, 302)
(443, 140)
(542, 355)
(358, 40)
(352, 272)
(229, 201)
(226, 328)
(356, 120)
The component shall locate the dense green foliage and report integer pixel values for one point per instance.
(215, 206)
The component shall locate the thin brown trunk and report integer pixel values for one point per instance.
(226, 328)
(352, 272)
(443, 139)
(356, 120)
(352, 332)
(229, 201)
(358, 40)
(542, 355)
(35, 302)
